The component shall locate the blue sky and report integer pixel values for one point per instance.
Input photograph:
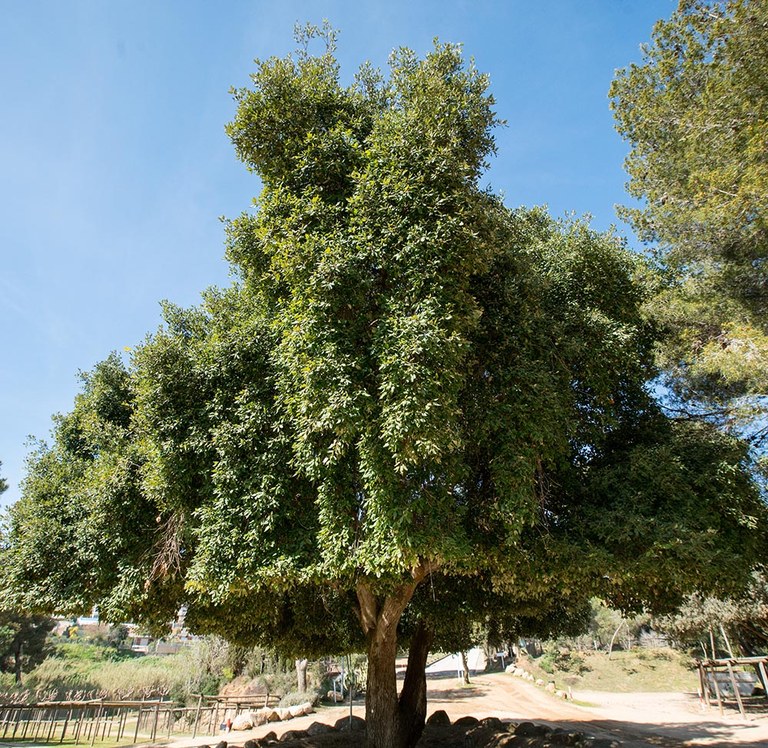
(115, 167)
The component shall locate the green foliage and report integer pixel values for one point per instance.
(23, 641)
(695, 113)
(744, 619)
(408, 377)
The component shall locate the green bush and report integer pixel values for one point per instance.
(294, 698)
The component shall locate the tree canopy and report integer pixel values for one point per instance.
(695, 113)
(414, 402)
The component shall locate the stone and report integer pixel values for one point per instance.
(297, 710)
(358, 724)
(440, 717)
(242, 722)
(540, 682)
(293, 735)
(531, 730)
(285, 714)
(251, 744)
(510, 668)
(221, 744)
(319, 728)
(566, 737)
(467, 721)
(334, 696)
(550, 687)
(270, 737)
(493, 722)
(272, 715)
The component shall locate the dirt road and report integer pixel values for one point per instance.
(641, 719)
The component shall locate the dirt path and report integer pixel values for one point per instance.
(641, 719)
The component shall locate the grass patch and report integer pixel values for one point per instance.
(626, 672)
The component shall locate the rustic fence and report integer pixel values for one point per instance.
(89, 721)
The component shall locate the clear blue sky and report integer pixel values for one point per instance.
(114, 165)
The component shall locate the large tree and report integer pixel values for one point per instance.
(415, 407)
(695, 113)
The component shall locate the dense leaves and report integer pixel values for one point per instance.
(415, 403)
(695, 113)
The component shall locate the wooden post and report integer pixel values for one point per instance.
(80, 723)
(762, 674)
(96, 720)
(138, 720)
(154, 723)
(727, 642)
(66, 722)
(736, 689)
(197, 714)
(703, 682)
(717, 686)
(51, 727)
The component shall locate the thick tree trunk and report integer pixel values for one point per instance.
(389, 724)
(301, 674)
(412, 706)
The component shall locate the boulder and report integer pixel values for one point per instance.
(272, 715)
(566, 737)
(467, 721)
(493, 722)
(530, 730)
(270, 737)
(319, 728)
(284, 714)
(550, 687)
(358, 724)
(293, 735)
(251, 744)
(298, 710)
(510, 668)
(440, 718)
(242, 722)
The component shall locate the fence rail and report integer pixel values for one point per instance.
(89, 721)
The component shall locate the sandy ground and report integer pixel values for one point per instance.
(668, 720)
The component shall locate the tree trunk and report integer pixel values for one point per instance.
(301, 674)
(412, 706)
(390, 723)
(465, 666)
(17, 651)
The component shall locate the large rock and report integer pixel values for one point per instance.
(293, 735)
(530, 730)
(357, 724)
(467, 721)
(440, 717)
(319, 728)
(242, 722)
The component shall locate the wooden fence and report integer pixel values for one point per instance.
(86, 722)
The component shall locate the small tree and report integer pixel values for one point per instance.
(415, 402)
(23, 640)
